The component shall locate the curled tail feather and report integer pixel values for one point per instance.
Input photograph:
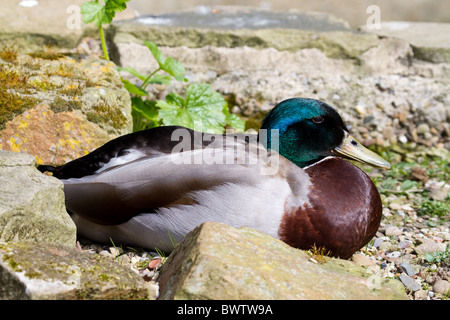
(54, 170)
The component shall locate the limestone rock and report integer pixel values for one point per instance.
(381, 75)
(409, 282)
(32, 204)
(442, 286)
(61, 108)
(59, 23)
(429, 40)
(352, 10)
(53, 138)
(429, 247)
(50, 272)
(335, 44)
(246, 17)
(391, 54)
(216, 261)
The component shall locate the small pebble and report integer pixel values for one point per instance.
(394, 254)
(430, 247)
(155, 263)
(360, 109)
(407, 268)
(400, 213)
(115, 251)
(393, 231)
(377, 242)
(404, 244)
(395, 206)
(386, 245)
(442, 287)
(407, 207)
(409, 282)
(362, 260)
(105, 253)
(313, 260)
(421, 295)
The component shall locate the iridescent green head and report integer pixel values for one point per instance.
(310, 130)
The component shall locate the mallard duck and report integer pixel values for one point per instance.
(151, 188)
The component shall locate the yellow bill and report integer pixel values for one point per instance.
(352, 149)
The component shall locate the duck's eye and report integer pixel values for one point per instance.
(317, 119)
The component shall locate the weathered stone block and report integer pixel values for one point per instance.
(32, 204)
(216, 261)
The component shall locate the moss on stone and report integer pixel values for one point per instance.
(105, 113)
(14, 98)
(262, 268)
(42, 84)
(47, 54)
(65, 83)
(61, 105)
(431, 54)
(9, 259)
(97, 277)
(334, 44)
(8, 53)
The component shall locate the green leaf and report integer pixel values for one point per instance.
(174, 68)
(202, 109)
(175, 100)
(408, 184)
(145, 114)
(157, 78)
(233, 120)
(98, 13)
(169, 65)
(93, 11)
(133, 89)
(160, 79)
(156, 53)
(133, 71)
(430, 258)
(114, 6)
(146, 108)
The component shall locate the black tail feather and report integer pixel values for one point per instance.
(55, 170)
(46, 168)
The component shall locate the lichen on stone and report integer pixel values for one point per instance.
(81, 275)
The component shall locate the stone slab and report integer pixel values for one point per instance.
(32, 204)
(430, 41)
(50, 272)
(216, 261)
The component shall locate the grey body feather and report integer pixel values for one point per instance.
(150, 201)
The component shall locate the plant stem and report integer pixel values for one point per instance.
(102, 39)
(145, 83)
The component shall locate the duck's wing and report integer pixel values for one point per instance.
(138, 145)
(116, 194)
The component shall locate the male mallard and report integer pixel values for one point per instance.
(150, 187)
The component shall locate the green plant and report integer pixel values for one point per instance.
(434, 207)
(102, 13)
(200, 105)
(319, 254)
(439, 257)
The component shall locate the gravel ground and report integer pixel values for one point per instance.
(412, 243)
